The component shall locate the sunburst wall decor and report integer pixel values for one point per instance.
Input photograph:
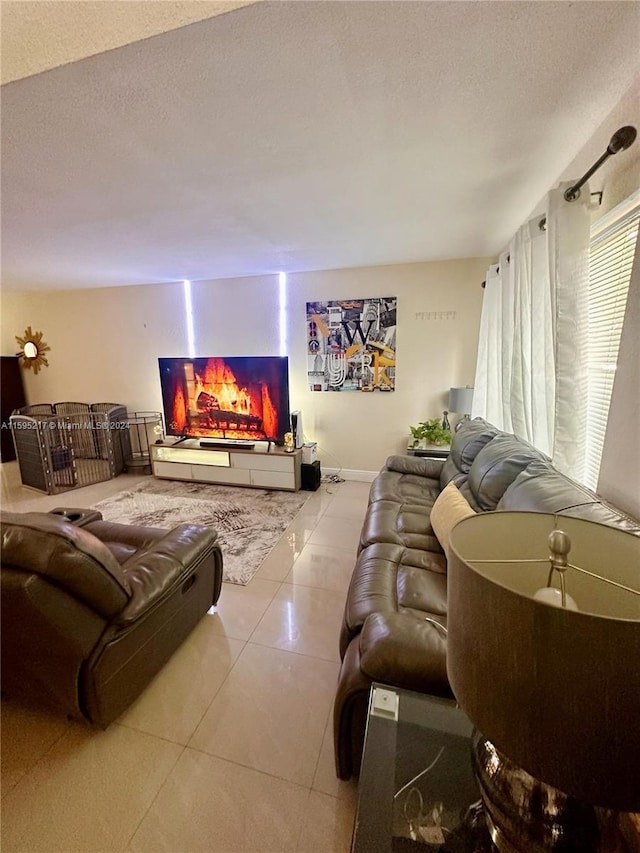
(32, 349)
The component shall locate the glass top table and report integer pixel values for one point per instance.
(416, 790)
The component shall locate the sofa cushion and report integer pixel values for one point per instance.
(391, 578)
(399, 524)
(125, 540)
(408, 652)
(466, 443)
(542, 488)
(496, 466)
(450, 508)
(422, 466)
(404, 488)
(68, 556)
(603, 513)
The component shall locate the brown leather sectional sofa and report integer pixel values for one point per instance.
(91, 610)
(396, 606)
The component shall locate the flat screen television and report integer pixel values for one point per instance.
(237, 398)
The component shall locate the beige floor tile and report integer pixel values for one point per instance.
(278, 562)
(174, 703)
(67, 787)
(240, 608)
(303, 620)
(19, 498)
(337, 533)
(347, 506)
(318, 501)
(88, 793)
(27, 734)
(323, 567)
(352, 488)
(213, 806)
(299, 530)
(325, 779)
(328, 825)
(270, 713)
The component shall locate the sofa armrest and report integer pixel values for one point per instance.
(156, 569)
(420, 466)
(405, 651)
(78, 516)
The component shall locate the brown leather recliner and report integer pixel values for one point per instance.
(91, 610)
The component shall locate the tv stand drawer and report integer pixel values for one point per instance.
(228, 476)
(261, 468)
(264, 462)
(173, 470)
(270, 480)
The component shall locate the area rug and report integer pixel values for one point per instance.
(249, 522)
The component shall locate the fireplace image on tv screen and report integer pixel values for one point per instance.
(236, 398)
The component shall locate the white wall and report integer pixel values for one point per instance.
(105, 344)
(360, 429)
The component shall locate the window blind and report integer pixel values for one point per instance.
(610, 263)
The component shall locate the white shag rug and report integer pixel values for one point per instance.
(249, 522)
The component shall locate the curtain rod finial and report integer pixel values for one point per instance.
(622, 139)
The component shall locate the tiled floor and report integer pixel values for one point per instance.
(230, 749)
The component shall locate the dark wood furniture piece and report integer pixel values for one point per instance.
(429, 452)
(12, 397)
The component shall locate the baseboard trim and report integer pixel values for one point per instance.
(352, 474)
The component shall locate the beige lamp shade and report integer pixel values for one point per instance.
(460, 400)
(555, 690)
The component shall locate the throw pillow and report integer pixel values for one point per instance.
(449, 507)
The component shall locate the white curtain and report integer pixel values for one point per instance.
(495, 347)
(531, 372)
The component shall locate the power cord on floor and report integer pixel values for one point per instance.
(329, 478)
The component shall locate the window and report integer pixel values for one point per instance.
(613, 241)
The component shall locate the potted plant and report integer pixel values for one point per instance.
(431, 432)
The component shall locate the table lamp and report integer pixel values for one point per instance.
(543, 654)
(460, 402)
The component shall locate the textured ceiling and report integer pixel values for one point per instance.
(41, 34)
(304, 135)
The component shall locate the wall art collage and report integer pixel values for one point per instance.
(351, 344)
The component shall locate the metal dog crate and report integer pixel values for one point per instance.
(64, 446)
(144, 429)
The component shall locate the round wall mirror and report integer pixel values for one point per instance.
(32, 349)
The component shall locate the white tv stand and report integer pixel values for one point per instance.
(262, 466)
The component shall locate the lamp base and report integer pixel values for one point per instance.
(461, 421)
(524, 815)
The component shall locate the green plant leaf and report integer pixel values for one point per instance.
(431, 431)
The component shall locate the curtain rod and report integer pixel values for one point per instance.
(622, 139)
(542, 224)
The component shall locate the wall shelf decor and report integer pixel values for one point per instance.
(32, 349)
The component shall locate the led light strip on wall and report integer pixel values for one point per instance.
(282, 280)
(188, 310)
